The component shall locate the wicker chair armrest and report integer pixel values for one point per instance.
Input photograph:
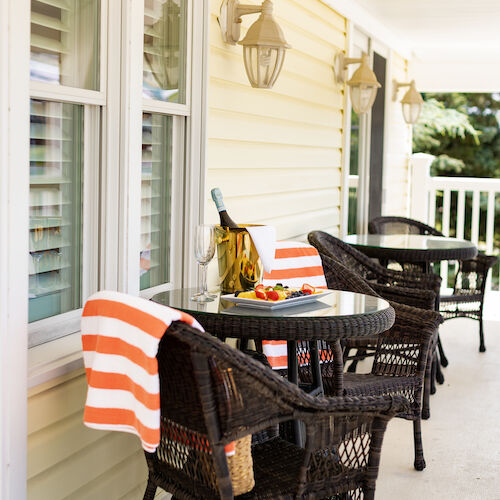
(424, 281)
(319, 408)
(413, 317)
(415, 297)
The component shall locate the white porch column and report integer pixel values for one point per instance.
(420, 164)
(14, 203)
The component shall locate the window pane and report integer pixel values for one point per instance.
(156, 199)
(65, 42)
(56, 158)
(165, 38)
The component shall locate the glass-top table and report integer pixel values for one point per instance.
(323, 323)
(336, 315)
(415, 248)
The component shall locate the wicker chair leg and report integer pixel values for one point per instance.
(439, 374)
(419, 463)
(434, 363)
(426, 410)
(482, 347)
(149, 494)
(442, 355)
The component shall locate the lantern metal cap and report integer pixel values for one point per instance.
(364, 75)
(265, 32)
(412, 96)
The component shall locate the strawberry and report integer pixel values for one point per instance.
(273, 295)
(260, 293)
(307, 289)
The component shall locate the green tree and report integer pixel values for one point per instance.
(463, 132)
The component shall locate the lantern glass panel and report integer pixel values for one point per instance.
(411, 112)
(363, 97)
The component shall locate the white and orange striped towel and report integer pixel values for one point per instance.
(295, 263)
(120, 338)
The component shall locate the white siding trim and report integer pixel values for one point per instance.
(14, 202)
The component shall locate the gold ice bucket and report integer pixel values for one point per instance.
(240, 267)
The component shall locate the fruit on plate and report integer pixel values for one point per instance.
(277, 292)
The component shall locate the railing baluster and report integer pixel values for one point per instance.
(432, 207)
(490, 230)
(445, 231)
(461, 214)
(475, 217)
(490, 222)
(446, 212)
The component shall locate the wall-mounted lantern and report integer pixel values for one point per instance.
(412, 101)
(264, 45)
(363, 84)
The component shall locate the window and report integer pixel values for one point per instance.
(56, 159)
(64, 136)
(156, 196)
(166, 108)
(65, 42)
(86, 110)
(165, 50)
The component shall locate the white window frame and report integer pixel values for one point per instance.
(181, 113)
(54, 327)
(118, 252)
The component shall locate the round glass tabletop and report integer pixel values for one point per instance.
(425, 247)
(336, 304)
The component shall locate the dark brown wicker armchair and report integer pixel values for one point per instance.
(212, 394)
(467, 300)
(414, 289)
(400, 358)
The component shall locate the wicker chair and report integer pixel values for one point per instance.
(212, 394)
(400, 359)
(414, 289)
(467, 299)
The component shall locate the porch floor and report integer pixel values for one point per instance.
(462, 438)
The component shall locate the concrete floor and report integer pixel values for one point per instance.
(462, 438)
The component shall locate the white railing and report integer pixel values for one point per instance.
(462, 207)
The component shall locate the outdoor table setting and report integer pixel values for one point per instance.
(336, 315)
(311, 322)
(417, 250)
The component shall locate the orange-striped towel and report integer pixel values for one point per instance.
(120, 337)
(295, 263)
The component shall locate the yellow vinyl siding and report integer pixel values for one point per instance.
(66, 460)
(396, 174)
(276, 154)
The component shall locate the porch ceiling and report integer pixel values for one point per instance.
(455, 44)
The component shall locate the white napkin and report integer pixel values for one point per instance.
(264, 239)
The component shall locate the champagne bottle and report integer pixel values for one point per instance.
(225, 220)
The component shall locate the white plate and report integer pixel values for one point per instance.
(269, 304)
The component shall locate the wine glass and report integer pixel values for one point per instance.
(204, 249)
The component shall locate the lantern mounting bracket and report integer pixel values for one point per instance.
(230, 18)
(396, 86)
(340, 65)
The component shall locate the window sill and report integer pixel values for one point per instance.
(52, 360)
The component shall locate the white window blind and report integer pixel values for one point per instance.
(56, 162)
(165, 50)
(156, 197)
(65, 42)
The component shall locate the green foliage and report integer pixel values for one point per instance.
(438, 123)
(463, 132)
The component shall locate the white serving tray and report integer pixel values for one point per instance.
(270, 304)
